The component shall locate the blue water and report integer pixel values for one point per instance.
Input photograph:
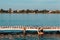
(29, 19)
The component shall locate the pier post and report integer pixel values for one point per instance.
(24, 31)
(40, 31)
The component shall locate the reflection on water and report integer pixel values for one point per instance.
(30, 37)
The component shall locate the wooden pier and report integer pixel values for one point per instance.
(40, 30)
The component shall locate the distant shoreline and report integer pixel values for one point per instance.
(30, 11)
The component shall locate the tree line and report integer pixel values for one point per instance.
(29, 11)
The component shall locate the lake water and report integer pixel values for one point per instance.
(30, 37)
(29, 19)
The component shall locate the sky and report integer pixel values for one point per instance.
(30, 4)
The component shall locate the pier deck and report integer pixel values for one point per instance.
(29, 28)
